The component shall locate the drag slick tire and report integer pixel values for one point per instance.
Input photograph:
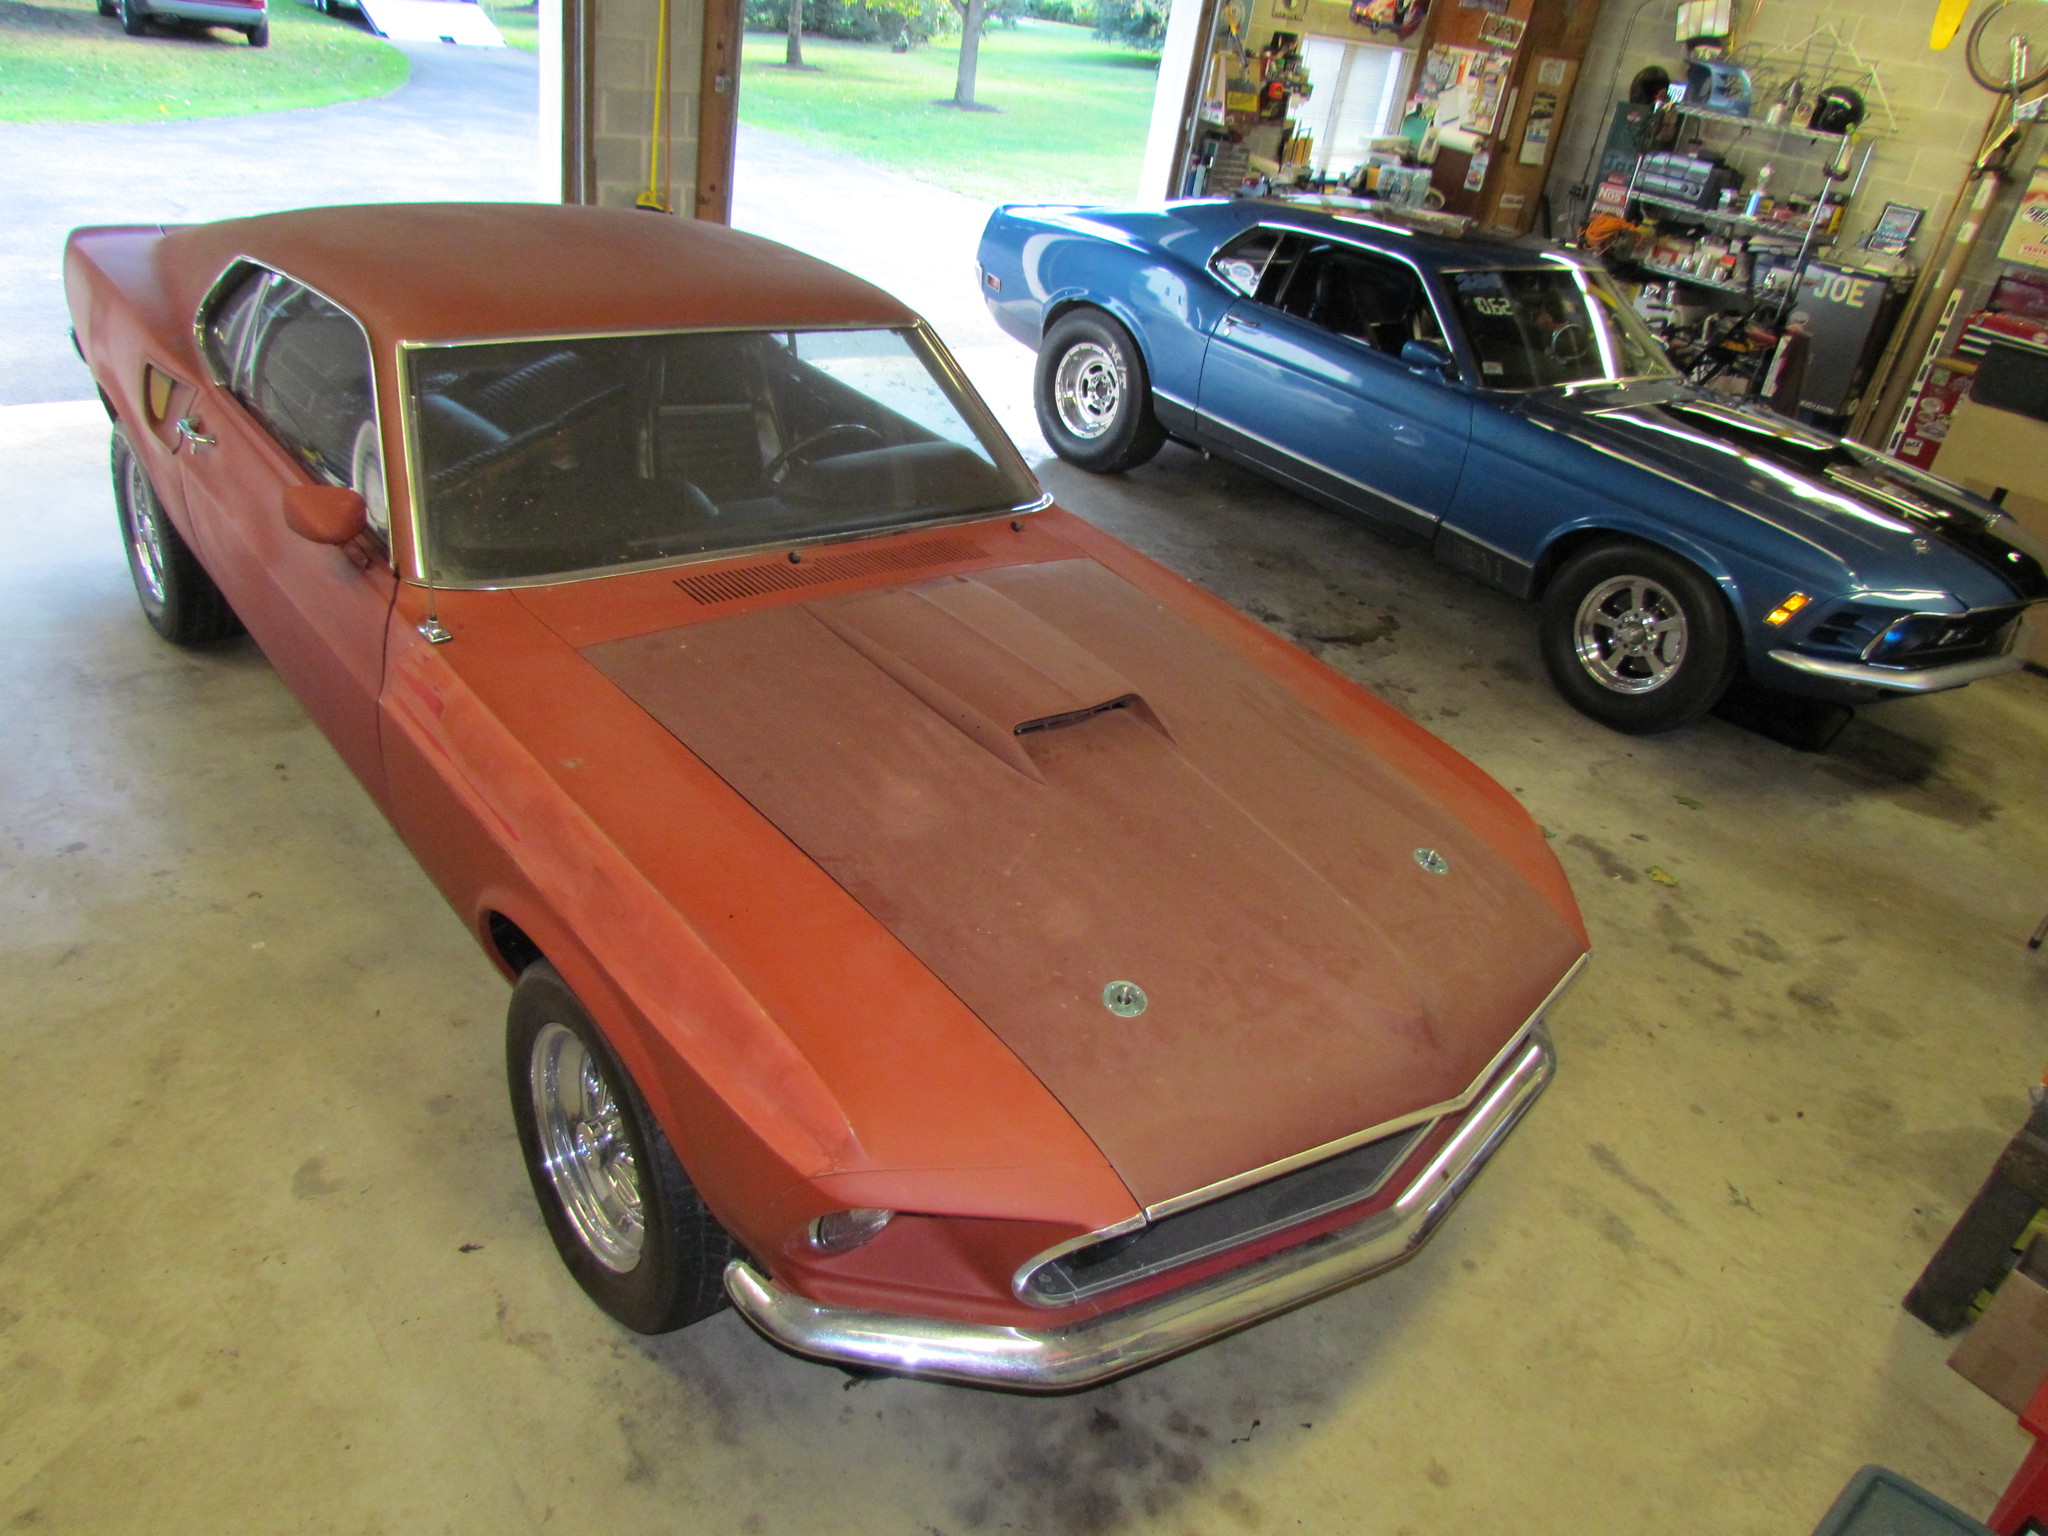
(1636, 637)
(1093, 396)
(624, 1216)
(178, 598)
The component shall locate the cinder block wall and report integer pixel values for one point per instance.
(623, 95)
(1940, 110)
(624, 77)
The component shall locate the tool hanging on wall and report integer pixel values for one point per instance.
(654, 199)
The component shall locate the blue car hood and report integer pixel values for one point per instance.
(1889, 524)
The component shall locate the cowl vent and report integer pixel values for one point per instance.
(782, 574)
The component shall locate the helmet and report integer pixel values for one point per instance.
(1836, 110)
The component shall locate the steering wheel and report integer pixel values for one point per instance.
(1567, 344)
(795, 453)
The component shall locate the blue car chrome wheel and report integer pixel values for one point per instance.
(1093, 397)
(1088, 389)
(1630, 635)
(1637, 637)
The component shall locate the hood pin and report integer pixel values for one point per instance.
(1432, 861)
(1125, 999)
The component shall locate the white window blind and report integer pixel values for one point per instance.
(1353, 101)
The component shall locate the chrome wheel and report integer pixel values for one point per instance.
(585, 1148)
(145, 535)
(1088, 389)
(1630, 635)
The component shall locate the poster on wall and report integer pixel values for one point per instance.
(1501, 32)
(1400, 17)
(2026, 239)
(1536, 132)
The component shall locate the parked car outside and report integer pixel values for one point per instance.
(251, 18)
(965, 946)
(1500, 402)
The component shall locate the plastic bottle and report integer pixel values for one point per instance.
(1759, 196)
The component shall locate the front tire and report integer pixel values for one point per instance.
(178, 598)
(1093, 395)
(259, 35)
(623, 1215)
(1636, 637)
(133, 18)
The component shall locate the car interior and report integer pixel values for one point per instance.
(544, 457)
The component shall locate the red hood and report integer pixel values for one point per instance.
(1042, 781)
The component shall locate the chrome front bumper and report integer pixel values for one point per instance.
(1901, 679)
(1107, 1346)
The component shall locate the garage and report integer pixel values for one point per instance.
(272, 1255)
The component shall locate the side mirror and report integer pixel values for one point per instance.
(1428, 357)
(326, 514)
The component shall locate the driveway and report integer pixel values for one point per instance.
(465, 126)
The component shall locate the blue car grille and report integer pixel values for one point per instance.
(1887, 638)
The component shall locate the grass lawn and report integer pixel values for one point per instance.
(1070, 120)
(519, 23)
(63, 62)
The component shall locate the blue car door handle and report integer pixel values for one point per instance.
(1408, 436)
(1233, 322)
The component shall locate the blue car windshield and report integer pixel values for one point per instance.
(576, 454)
(1534, 327)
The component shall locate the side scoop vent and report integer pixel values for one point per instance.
(781, 575)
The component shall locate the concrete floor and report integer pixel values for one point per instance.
(268, 1260)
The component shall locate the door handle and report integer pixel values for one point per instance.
(1232, 323)
(188, 432)
(1408, 436)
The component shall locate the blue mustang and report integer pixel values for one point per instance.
(1501, 402)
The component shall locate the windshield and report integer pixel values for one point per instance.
(539, 458)
(1553, 325)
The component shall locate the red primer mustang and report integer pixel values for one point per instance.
(966, 947)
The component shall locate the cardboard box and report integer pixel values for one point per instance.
(2005, 1353)
(1983, 442)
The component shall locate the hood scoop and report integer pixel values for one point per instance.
(994, 670)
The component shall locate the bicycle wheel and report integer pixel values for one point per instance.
(1990, 50)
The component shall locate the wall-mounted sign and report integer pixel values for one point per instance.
(2026, 238)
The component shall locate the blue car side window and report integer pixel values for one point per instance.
(1360, 295)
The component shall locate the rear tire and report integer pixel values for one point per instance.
(178, 598)
(133, 18)
(1636, 637)
(623, 1214)
(1093, 396)
(259, 35)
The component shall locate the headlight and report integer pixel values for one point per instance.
(839, 1231)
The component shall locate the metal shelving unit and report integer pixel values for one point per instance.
(1841, 150)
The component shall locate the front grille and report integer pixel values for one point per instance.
(1848, 631)
(1888, 638)
(1935, 639)
(1235, 1219)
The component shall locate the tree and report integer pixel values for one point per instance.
(794, 57)
(1140, 23)
(973, 17)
